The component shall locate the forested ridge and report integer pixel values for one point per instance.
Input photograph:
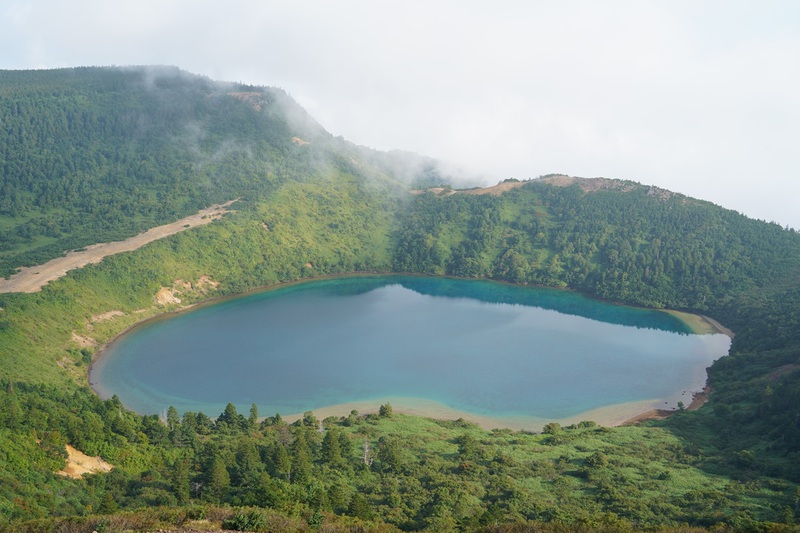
(91, 155)
(96, 154)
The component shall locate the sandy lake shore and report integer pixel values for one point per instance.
(612, 415)
(701, 324)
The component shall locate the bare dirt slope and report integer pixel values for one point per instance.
(32, 279)
(78, 464)
(494, 190)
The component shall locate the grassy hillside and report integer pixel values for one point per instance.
(96, 154)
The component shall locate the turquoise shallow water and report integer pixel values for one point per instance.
(481, 347)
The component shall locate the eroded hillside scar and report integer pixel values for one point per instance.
(32, 279)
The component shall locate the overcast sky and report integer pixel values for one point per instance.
(699, 97)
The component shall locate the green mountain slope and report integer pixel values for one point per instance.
(91, 155)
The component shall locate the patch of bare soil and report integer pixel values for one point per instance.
(438, 191)
(205, 283)
(170, 295)
(165, 296)
(83, 341)
(32, 279)
(299, 142)
(78, 464)
(106, 316)
(496, 190)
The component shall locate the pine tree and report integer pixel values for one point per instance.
(173, 418)
(331, 447)
(301, 458)
(253, 418)
(283, 462)
(219, 481)
(180, 480)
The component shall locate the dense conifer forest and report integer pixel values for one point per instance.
(91, 155)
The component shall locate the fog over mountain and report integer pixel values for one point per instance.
(699, 99)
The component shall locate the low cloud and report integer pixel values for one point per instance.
(698, 98)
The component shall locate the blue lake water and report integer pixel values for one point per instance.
(482, 348)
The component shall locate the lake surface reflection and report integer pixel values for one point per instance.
(498, 352)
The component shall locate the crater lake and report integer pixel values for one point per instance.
(496, 354)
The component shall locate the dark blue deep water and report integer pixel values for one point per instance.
(479, 347)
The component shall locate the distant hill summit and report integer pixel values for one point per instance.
(557, 180)
(602, 184)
